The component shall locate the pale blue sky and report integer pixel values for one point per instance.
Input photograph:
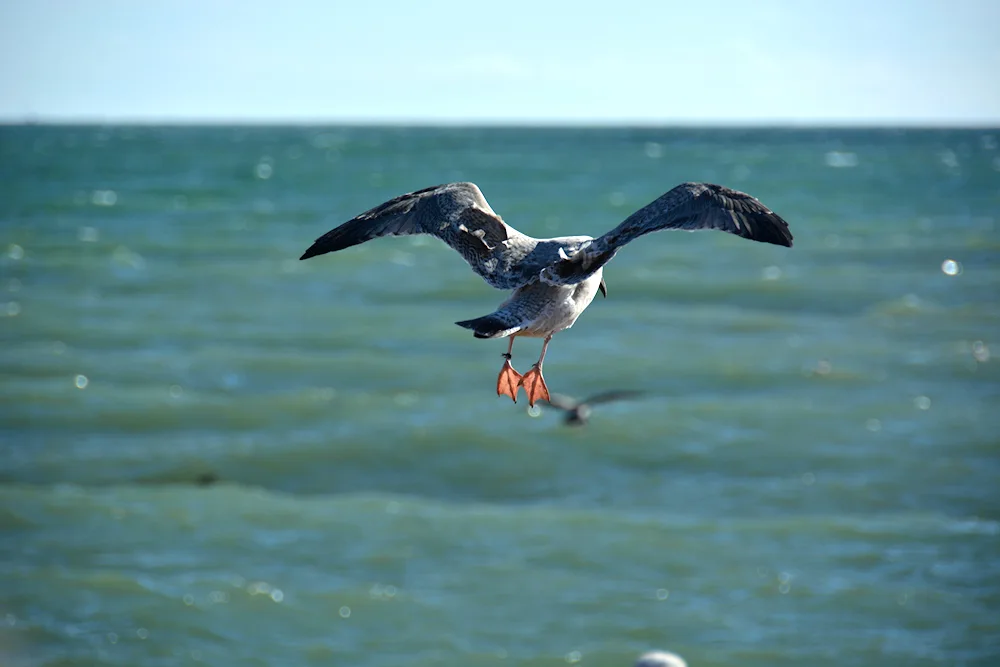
(732, 62)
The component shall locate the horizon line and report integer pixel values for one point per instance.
(524, 123)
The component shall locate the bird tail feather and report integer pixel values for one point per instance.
(490, 326)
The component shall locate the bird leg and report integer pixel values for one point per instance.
(509, 379)
(533, 382)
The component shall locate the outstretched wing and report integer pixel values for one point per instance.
(456, 213)
(689, 206)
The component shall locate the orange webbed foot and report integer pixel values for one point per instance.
(508, 381)
(534, 385)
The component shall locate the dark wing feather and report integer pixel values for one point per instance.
(456, 213)
(696, 206)
(689, 206)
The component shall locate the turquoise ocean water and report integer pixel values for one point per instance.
(810, 479)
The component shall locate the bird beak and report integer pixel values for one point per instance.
(604, 288)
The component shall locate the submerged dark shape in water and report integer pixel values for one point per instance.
(578, 412)
(206, 478)
(555, 279)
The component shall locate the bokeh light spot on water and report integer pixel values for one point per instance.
(264, 169)
(574, 657)
(103, 197)
(259, 588)
(784, 582)
(58, 347)
(950, 267)
(534, 411)
(13, 309)
(380, 592)
(113, 637)
(808, 478)
(15, 251)
(980, 352)
(81, 381)
(949, 159)
(221, 597)
(124, 258)
(654, 151)
(922, 403)
(771, 272)
(88, 234)
(873, 425)
(176, 391)
(142, 633)
(662, 593)
(823, 367)
(188, 599)
(345, 612)
(840, 159)
(277, 595)
(616, 199)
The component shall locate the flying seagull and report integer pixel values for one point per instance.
(578, 412)
(553, 280)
